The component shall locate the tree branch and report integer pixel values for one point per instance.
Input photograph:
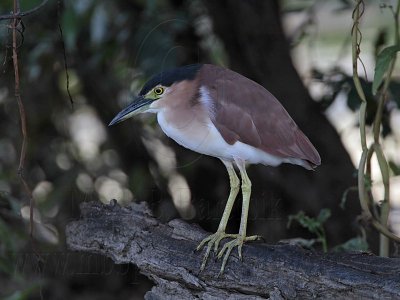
(164, 253)
(14, 25)
(23, 14)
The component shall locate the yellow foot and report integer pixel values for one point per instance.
(237, 242)
(213, 242)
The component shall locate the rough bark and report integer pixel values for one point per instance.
(164, 253)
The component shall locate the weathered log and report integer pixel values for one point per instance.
(165, 254)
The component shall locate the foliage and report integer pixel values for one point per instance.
(313, 225)
(339, 82)
(384, 65)
(355, 244)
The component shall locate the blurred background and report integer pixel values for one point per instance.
(300, 50)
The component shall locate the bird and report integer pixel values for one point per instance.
(215, 111)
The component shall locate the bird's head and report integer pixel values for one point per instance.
(155, 90)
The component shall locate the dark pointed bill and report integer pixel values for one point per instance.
(137, 106)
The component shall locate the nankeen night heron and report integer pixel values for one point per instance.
(218, 112)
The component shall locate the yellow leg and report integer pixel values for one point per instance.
(234, 184)
(214, 239)
(241, 237)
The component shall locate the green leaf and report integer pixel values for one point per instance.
(355, 244)
(324, 215)
(311, 224)
(382, 64)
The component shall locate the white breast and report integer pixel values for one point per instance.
(204, 138)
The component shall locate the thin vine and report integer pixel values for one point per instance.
(380, 222)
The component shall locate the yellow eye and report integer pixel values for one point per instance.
(159, 91)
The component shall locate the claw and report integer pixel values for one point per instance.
(203, 264)
(240, 252)
(224, 261)
(226, 251)
(214, 240)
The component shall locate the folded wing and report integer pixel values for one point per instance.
(245, 111)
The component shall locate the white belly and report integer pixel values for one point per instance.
(204, 138)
